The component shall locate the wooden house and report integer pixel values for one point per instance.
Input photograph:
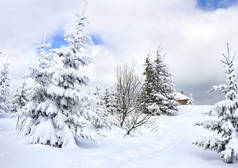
(182, 99)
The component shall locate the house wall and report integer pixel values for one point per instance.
(183, 102)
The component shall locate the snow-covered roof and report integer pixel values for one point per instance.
(180, 96)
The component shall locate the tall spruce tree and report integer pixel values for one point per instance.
(158, 95)
(147, 94)
(164, 87)
(4, 90)
(35, 119)
(57, 112)
(226, 123)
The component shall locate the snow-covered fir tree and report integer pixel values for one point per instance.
(78, 112)
(226, 123)
(110, 101)
(147, 98)
(95, 108)
(4, 90)
(33, 119)
(59, 114)
(20, 98)
(164, 88)
(158, 90)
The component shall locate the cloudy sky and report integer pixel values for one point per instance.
(192, 33)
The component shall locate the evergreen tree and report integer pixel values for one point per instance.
(4, 90)
(59, 114)
(69, 79)
(226, 123)
(95, 108)
(164, 87)
(147, 98)
(158, 95)
(35, 119)
(110, 101)
(20, 98)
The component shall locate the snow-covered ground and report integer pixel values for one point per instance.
(168, 145)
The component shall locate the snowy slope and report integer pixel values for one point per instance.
(167, 146)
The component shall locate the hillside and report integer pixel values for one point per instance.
(168, 145)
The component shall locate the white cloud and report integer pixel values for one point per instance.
(193, 40)
(23, 23)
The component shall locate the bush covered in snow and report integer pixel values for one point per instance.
(4, 90)
(20, 98)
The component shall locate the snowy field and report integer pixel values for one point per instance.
(168, 145)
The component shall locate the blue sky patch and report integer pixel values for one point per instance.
(210, 5)
(96, 39)
(58, 40)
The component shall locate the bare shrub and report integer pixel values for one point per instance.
(128, 111)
